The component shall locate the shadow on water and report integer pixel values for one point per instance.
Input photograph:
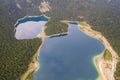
(60, 35)
(31, 18)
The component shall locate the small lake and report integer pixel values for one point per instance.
(29, 27)
(69, 57)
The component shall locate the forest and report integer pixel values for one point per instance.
(15, 55)
(55, 27)
(105, 18)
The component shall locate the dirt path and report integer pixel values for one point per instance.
(105, 68)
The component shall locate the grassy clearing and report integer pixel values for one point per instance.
(30, 77)
(107, 55)
(84, 24)
(64, 21)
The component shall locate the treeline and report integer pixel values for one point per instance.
(15, 55)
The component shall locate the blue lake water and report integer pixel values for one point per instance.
(69, 57)
(29, 27)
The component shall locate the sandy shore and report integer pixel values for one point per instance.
(106, 68)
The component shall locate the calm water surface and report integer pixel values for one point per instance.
(29, 27)
(69, 57)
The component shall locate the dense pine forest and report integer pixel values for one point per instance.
(102, 15)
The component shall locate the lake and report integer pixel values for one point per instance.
(69, 57)
(29, 27)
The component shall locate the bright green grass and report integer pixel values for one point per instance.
(30, 77)
(107, 55)
(82, 23)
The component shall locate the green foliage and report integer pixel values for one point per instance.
(107, 55)
(82, 23)
(55, 27)
(30, 77)
(15, 55)
(105, 18)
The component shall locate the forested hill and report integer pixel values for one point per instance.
(15, 55)
(103, 15)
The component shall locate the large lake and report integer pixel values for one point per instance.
(69, 57)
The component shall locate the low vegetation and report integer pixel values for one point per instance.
(107, 55)
(84, 24)
(30, 77)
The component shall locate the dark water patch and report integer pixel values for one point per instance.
(73, 22)
(60, 35)
(31, 18)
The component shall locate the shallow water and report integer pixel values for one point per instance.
(69, 57)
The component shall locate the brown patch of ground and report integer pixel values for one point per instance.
(44, 6)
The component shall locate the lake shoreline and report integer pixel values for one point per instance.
(17, 22)
(99, 61)
(34, 64)
(78, 41)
